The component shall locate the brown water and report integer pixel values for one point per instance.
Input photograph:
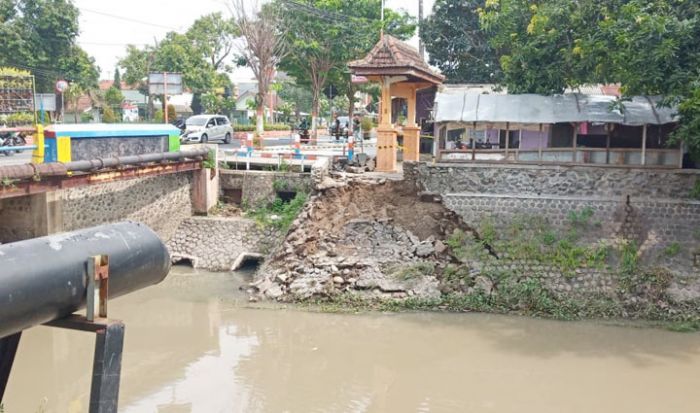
(193, 346)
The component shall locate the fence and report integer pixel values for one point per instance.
(665, 158)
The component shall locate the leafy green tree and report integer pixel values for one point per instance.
(108, 115)
(200, 55)
(456, 43)
(324, 35)
(649, 47)
(117, 79)
(113, 96)
(40, 35)
(72, 96)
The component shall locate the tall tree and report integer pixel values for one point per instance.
(263, 48)
(457, 44)
(650, 47)
(117, 79)
(324, 35)
(40, 35)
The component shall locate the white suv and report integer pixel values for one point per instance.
(205, 128)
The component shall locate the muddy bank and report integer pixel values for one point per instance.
(384, 244)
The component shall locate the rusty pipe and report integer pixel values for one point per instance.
(27, 171)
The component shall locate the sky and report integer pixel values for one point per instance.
(106, 27)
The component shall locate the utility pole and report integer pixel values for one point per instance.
(421, 49)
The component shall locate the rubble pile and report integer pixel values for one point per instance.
(374, 238)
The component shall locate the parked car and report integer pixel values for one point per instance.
(344, 122)
(205, 128)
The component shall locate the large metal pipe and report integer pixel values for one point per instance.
(44, 279)
(28, 171)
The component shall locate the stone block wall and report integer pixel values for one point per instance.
(161, 202)
(651, 207)
(260, 187)
(216, 243)
(575, 181)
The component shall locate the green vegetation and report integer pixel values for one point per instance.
(210, 161)
(527, 297)
(672, 249)
(280, 214)
(457, 44)
(532, 239)
(411, 271)
(695, 191)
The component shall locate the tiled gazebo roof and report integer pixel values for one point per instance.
(392, 57)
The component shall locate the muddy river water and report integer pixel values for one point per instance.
(194, 345)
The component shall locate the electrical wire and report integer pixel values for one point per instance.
(128, 19)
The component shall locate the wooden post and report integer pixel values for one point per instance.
(520, 143)
(507, 139)
(644, 145)
(574, 139)
(607, 143)
(539, 145)
(474, 142)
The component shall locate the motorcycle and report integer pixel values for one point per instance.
(304, 135)
(12, 139)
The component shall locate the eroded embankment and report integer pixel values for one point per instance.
(384, 245)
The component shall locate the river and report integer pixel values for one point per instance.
(193, 344)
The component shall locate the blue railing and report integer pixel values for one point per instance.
(17, 148)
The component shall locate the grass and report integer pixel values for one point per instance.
(672, 249)
(411, 271)
(526, 297)
(280, 214)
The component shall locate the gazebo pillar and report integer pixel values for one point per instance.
(386, 134)
(401, 71)
(411, 132)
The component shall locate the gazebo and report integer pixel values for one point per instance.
(400, 71)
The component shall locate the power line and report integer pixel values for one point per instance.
(128, 19)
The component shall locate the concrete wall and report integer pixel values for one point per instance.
(259, 187)
(216, 243)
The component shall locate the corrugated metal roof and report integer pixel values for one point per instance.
(460, 105)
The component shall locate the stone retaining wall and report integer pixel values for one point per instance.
(260, 187)
(652, 208)
(161, 202)
(214, 243)
(577, 181)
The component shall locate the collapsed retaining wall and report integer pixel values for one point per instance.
(215, 243)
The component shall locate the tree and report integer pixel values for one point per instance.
(108, 115)
(263, 48)
(113, 96)
(213, 38)
(117, 79)
(326, 34)
(72, 96)
(40, 35)
(649, 47)
(199, 54)
(456, 43)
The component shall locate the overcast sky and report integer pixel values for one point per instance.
(105, 36)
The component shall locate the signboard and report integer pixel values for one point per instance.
(157, 83)
(45, 102)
